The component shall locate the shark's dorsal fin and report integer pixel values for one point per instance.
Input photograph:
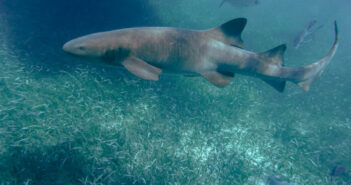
(275, 55)
(229, 32)
(141, 68)
(217, 78)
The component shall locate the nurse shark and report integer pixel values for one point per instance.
(216, 54)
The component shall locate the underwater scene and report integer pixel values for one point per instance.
(236, 96)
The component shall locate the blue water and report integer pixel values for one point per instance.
(64, 121)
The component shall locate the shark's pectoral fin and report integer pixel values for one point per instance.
(141, 68)
(217, 78)
(276, 84)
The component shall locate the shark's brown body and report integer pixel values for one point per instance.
(215, 54)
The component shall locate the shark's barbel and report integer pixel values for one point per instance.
(216, 54)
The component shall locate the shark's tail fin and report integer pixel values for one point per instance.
(313, 71)
(275, 57)
(302, 76)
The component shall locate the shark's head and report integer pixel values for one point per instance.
(87, 46)
(106, 47)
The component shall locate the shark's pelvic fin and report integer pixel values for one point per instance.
(217, 78)
(141, 68)
(229, 32)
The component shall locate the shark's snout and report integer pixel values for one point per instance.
(64, 47)
(84, 47)
(74, 47)
(67, 47)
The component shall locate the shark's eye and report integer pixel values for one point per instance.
(81, 48)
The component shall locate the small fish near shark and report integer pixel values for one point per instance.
(305, 35)
(240, 3)
(216, 54)
(338, 171)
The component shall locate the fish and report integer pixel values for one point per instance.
(272, 180)
(337, 171)
(216, 54)
(304, 36)
(240, 3)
